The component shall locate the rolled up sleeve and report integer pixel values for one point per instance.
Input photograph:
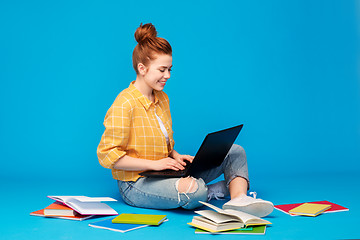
(113, 142)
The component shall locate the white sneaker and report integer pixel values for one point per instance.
(253, 206)
(217, 190)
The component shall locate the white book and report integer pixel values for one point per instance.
(209, 225)
(221, 219)
(87, 205)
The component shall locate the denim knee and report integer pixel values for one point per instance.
(237, 149)
(200, 194)
(236, 164)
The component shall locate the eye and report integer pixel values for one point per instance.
(163, 70)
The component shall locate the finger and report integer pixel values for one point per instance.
(171, 166)
(189, 158)
(179, 166)
(181, 161)
(175, 165)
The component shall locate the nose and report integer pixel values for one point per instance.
(167, 74)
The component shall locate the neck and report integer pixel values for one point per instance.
(144, 88)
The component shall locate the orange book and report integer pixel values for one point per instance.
(79, 217)
(59, 209)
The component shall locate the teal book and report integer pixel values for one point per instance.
(148, 219)
(108, 225)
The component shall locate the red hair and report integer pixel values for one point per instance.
(149, 44)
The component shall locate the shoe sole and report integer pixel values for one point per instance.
(259, 209)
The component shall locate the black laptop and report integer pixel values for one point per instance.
(211, 153)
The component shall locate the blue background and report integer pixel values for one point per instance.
(287, 70)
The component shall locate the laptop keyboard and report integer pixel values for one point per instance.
(172, 172)
(167, 173)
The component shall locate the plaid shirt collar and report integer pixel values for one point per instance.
(142, 99)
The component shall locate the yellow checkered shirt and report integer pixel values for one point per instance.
(131, 128)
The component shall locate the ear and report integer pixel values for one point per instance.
(142, 69)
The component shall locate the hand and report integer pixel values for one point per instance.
(167, 163)
(182, 158)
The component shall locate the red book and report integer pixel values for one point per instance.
(287, 207)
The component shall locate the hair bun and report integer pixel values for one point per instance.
(145, 32)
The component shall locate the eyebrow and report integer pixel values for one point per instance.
(165, 66)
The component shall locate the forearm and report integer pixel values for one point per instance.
(128, 163)
(137, 164)
(174, 154)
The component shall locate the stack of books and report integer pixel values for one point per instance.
(311, 209)
(129, 221)
(76, 207)
(227, 221)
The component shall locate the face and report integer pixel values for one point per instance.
(157, 72)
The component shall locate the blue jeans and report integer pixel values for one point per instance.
(162, 193)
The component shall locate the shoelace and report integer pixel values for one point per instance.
(254, 194)
(216, 195)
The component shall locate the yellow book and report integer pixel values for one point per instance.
(310, 209)
(133, 218)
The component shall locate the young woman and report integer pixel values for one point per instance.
(139, 137)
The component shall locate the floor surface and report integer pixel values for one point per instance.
(22, 197)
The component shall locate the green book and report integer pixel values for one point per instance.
(255, 230)
(139, 219)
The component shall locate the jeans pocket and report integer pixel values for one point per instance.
(125, 191)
